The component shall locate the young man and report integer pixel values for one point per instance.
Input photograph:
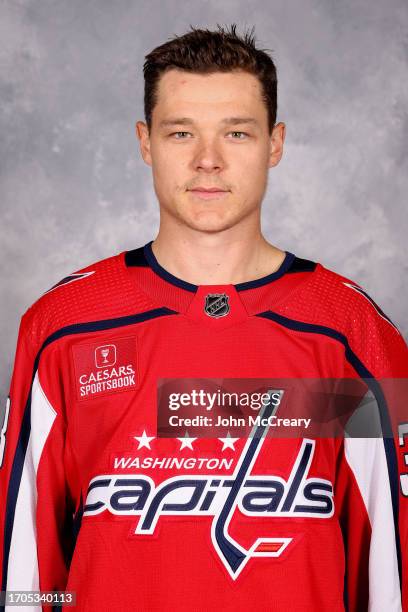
(93, 499)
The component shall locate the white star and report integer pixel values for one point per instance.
(186, 442)
(144, 440)
(228, 442)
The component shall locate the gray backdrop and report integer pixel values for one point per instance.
(74, 189)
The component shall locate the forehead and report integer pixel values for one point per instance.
(186, 93)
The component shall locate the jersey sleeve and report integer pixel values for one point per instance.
(377, 467)
(35, 506)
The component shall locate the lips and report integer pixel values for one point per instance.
(208, 193)
(208, 189)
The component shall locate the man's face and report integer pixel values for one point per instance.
(210, 131)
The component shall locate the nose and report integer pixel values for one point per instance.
(208, 157)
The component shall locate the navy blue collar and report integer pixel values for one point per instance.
(144, 257)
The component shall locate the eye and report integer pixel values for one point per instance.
(180, 135)
(241, 135)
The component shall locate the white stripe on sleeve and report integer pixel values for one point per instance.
(22, 564)
(367, 460)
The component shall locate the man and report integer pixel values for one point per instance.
(94, 500)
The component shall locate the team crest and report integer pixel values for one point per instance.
(216, 305)
(219, 496)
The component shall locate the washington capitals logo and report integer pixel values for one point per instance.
(216, 305)
(220, 496)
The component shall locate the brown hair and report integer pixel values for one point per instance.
(206, 51)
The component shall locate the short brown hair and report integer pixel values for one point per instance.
(206, 51)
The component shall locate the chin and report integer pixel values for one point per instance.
(209, 225)
(204, 217)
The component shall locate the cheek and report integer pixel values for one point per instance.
(251, 174)
(170, 161)
(257, 158)
(169, 175)
(256, 170)
(252, 159)
(163, 166)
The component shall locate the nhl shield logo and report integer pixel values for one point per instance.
(216, 305)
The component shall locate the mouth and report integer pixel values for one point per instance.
(210, 193)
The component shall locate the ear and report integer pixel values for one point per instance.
(142, 132)
(276, 144)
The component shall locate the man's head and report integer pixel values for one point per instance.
(210, 110)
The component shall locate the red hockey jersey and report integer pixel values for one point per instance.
(94, 501)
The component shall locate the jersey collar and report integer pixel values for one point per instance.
(147, 254)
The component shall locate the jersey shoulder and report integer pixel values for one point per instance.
(99, 291)
(349, 302)
(333, 304)
(329, 298)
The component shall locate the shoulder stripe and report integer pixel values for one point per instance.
(70, 279)
(375, 306)
(78, 328)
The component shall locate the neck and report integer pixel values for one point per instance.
(216, 258)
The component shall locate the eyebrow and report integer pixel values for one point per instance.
(226, 121)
